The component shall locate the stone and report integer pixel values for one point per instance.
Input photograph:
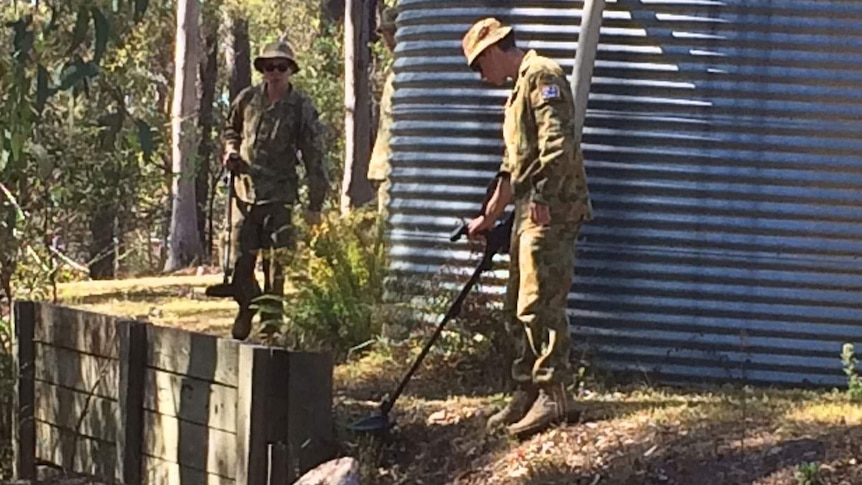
(340, 471)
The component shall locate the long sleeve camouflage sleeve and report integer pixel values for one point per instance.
(310, 143)
(551, 106)
(232, 136)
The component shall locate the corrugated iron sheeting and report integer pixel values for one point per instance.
(724, 154)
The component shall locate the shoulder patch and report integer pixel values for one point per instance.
(550, 91)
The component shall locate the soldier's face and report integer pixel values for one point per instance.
(276, 70)
(489, 66)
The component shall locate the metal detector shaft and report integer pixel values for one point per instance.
(229, 222)
(453, 311)
(496, 240)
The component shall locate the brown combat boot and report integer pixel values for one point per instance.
(242, 323)
(552, 406)
(521, 401)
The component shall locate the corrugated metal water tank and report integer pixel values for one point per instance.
(724, 154)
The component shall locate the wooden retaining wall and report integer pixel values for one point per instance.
(133, 403)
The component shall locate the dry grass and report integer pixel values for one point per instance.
(634, 435)
(167, 300)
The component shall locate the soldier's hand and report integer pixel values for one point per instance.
(478, 226)
(312, 218)
(540, 214)
(232, 161)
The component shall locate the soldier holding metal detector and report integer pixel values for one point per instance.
(543, 175)
(270, 128)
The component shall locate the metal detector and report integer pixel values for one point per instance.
(497, 241)
(225, 288)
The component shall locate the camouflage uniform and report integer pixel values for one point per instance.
(545, 166)
(270, 138)
(379, 166)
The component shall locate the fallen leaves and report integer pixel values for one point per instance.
(643, 436)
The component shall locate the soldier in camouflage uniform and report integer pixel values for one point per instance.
(543, 175)
(271, 126)
(379, 166)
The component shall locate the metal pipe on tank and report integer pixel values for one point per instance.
(585, 58)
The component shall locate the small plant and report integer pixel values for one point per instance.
(808, 473)
(854, 381)
(338, 278)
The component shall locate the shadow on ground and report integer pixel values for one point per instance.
(712, 456)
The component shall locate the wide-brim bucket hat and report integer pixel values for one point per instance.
(483, 34)
(276, 50)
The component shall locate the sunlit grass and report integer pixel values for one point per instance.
(625, 433)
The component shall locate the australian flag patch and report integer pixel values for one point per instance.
(550, 91)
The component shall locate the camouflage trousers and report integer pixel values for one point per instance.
(264, 229)
(381, 188)
(541, 268)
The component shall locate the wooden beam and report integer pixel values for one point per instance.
(24, 425)
(74, 329)
(82, 372)
(191, 445)
(133, 360)
(196, 355)
(76, 453)
(162, 472)
(78, 412)
(193, 400)
(251, 422)
(310, 424)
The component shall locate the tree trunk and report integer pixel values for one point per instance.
(355, 188)
(238, 54)
(185, 246)
(8, 249)
(206, 150)
(333, 10)
(102, 247)
(13, 179)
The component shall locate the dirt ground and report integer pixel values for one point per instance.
(625, 435)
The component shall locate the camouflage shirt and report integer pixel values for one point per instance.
(542, 158)
(379, 166)
(272, 139)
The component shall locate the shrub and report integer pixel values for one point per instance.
(854, 381)
(338, 276)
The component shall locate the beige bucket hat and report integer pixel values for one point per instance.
(279, 49)
(482, 35)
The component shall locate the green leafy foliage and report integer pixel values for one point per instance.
(50, 57)
(851, 369)
(807, 474)
(338, 275)
(7, 382)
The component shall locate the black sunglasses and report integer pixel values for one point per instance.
(280, 66)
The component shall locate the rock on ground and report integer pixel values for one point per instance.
(341, 471)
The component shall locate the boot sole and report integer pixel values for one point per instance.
(573, 417)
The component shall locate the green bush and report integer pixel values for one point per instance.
(854, 381)
(338, 279)
(478, 337)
